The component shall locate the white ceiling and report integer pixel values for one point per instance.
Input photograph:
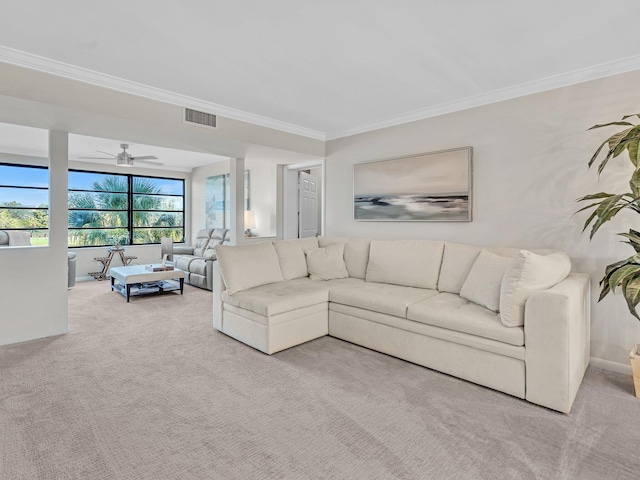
(333, 66)
(21, 140)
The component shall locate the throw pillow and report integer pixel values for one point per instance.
(248, 266)
(326, 263)
(482, 286)
(291, 256)
(529, 273)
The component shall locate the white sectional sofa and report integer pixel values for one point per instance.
(509, 319)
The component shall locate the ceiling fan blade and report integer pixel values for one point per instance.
(148, 162)
(95, 158)
(106, 153)
(146, 157)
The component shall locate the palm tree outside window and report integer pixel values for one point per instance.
(109, 209)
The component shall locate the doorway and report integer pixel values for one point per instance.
(303, 200)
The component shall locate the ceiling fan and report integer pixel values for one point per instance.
(124, 159)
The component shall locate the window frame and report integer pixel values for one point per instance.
(47, 188)
(129, 210)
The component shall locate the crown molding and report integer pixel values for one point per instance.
(85, 75)
(537, 86)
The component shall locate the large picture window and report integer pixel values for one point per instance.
(109, 209)
(24, 200)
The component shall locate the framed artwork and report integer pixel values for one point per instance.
(217, 192)
(430, 187)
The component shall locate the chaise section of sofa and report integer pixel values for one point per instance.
(197, 260)
(512, 320)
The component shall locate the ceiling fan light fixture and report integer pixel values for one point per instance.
(124, 161)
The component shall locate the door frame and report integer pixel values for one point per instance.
(287, 225)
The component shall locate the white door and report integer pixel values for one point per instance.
(307, 205)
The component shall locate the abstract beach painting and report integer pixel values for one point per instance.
(427, 187)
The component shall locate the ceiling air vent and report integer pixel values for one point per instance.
(199, 118)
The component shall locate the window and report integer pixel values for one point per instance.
(24, 200)
(108, 209)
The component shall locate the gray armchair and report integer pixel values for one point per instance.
(197, 260)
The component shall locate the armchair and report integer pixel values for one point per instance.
(197, 260)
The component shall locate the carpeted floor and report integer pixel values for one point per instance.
(148, 390)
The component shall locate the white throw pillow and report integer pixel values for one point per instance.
(527, 274)
(326, 263)
(482, 286)
(291, 256)
(248, 266)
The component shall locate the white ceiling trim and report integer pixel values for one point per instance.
(536, 86)
(54, 67)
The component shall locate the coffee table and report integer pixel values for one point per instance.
(137, 280)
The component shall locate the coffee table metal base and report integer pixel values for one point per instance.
(137, 280)
(135, 289)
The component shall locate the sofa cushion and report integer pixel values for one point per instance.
(248, 266)
(182, 262)
(453, 312)
(326, 263)
(198, 266)
(291, 256)
(380, 297)
(456, 265)
(482, 286)
(285, 296)
(412, 263)
(356, 253)
(529, 273)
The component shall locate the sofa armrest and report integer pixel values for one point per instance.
(218, 288)
(183, 250)
(557, 337)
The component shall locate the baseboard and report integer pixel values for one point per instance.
(84, 279)
(609, 365)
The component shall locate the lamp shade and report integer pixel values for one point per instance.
(249, 219)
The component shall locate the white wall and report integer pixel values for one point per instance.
(33, 283)
(198, 178)
(530, 164)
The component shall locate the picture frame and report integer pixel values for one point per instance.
(428, 187)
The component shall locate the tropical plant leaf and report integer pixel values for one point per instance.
(604, 219)
(634, 183)
(611, 152)
(622, 274)
(631, 292)
(634, 153)
(611, 123)
(632, 115)
(615, 139)
(595, 155)
(595, 196)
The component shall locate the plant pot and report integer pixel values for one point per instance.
(634, 356)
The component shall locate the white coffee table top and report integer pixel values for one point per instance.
(139, 274)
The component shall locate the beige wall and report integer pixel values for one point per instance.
(530, 164)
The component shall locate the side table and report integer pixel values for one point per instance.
(106, 262)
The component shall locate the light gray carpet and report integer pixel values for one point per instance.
(148, 390)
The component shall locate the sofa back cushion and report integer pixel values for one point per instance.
(248, 266)
(291, 256)
(412, 263)
(529, 273)
(356, 253)
(202, 239)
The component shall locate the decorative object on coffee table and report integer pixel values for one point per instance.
(137, 280)
(625, 273)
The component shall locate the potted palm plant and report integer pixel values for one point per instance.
(605, 206)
